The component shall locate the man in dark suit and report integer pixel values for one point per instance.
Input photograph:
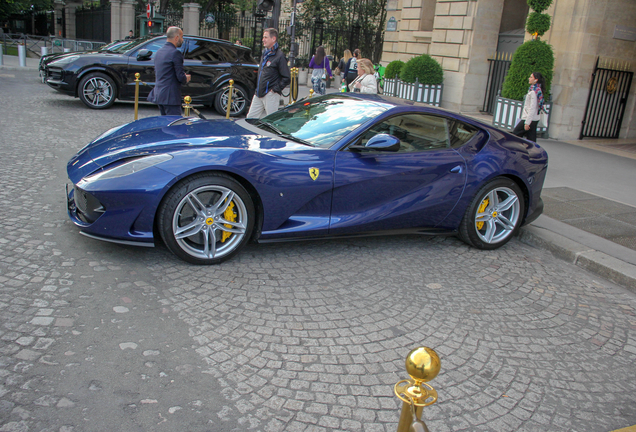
(169, 74)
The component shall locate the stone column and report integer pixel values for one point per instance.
(191, 18)
(58, 6)
(127, 18)
(115, 19)
(70, 19)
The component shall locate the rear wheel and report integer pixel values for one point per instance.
(239, 103)
(494, 215)
(97, 91)
(206, 219)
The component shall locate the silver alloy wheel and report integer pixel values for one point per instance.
(97, 91)
(497, 215)
(238, 101)
(203, 216)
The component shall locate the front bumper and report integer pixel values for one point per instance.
(60, 80)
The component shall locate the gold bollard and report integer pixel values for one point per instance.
(293, 91)
(137, 75)
(422, 365)
(187, 105)
(229, 99)
(311, 92)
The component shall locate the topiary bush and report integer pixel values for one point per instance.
(425, 68)
(538, 23)
(539, 5)
(532, 56)
(393, 69)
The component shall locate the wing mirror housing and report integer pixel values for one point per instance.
(144, 54)
(380, 142)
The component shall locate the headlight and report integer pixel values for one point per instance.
(127, 168)
(64, 61)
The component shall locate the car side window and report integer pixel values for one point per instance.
(460, 133)
(416, 132)
(208, 52)
(154, 46)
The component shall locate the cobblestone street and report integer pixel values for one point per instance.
(285, 337)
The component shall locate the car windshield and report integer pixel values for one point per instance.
(128, 46)
(321, 121)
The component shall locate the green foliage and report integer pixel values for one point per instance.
(532, 56)
(425, 68)
(393, 69)
(539, 5)
(538, 23)
(10, 7)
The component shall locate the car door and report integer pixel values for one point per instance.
(206, 61)
(416, 186)
(145, 66)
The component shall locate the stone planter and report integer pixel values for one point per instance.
(302, 77)
(507, 111)
(427, 93)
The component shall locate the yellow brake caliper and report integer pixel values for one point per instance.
(229, 215)
(481, 209)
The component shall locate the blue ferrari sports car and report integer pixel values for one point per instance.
(328, 166)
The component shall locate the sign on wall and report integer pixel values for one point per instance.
(391, 24)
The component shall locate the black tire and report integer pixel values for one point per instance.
(97, 91)
(240, 101)
(224, 211)
(488, 225)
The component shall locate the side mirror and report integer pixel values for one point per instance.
(144, 54)
(380, 142)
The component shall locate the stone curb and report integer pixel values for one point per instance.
(600, 263)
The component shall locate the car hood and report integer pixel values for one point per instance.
(171, 134)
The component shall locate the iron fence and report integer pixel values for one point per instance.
(34, 44)
(93, 23)
(607, 99)
(497, 71)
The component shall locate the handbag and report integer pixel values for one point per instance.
(543, 120)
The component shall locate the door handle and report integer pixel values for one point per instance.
(457, 170)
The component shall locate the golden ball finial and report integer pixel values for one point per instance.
(187, 99)
(422, 364)
(231, 82)
(137, 75)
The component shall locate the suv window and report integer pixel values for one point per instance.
(208, 51)
(154, 46)
(416, 132)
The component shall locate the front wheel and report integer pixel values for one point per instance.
(239, 103)
(97, 91)
(206, 219)
(494, 215)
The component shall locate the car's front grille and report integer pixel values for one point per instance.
(89, 209)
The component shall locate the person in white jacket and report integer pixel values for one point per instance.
(532, 106)
(365, 82)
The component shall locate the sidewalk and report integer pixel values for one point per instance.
(11, 62)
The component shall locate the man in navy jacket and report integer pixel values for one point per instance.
(169, 74)
(273, 77)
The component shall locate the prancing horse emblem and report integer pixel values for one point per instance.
(314, 173)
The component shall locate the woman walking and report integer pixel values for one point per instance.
(532, 106)
(321, 70)
(365, 82)
(343, 63)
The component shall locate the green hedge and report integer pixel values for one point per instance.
(393, 69)
(539, 5)
(532, 56)
(425, 68)
(538, 23)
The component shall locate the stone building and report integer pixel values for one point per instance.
(463, 34)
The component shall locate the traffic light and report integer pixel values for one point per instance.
(265, 5)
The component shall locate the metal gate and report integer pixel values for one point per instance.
(607, 99)
(497, 71)
(93, 23)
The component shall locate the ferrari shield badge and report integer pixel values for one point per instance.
(314, 173)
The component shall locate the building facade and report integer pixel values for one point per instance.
(463, 34)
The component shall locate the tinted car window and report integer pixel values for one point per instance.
(416, 132)
(460, 133)
(208, 52)
(154, 46)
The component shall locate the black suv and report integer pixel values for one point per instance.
(98, 78)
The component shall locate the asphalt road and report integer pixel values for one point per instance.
(286, 337)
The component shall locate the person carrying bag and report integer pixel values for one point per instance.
(321, 70)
